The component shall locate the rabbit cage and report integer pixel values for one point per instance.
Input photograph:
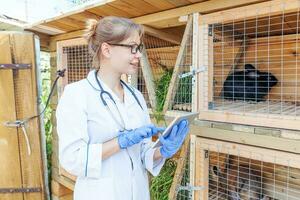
(251, 54)
(250, 77)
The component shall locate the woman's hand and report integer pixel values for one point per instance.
(129, 138)
(172, 143)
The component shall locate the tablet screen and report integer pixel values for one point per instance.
(190, 117)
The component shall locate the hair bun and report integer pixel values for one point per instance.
(91, 29)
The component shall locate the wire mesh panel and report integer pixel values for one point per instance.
(161, 56)
(181, 86)
(183, 190)
(141, 86)
(255, 62)
(183, 95)
(78, 62)
(240, 172)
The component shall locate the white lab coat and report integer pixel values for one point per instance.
(83, 125)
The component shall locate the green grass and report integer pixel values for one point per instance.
(160, 185)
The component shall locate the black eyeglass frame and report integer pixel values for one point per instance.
(134, 47)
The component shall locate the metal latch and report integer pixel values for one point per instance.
(192, 72)
(15, 66)
(20, 124)
(20, 190)
(190, 188)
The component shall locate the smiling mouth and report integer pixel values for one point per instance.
(134, 64)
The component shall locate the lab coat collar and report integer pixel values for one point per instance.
(128, 98)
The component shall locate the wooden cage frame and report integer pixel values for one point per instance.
(199, 162)
(206, 59)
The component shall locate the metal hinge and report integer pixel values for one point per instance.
(193, 72)
(211, 105)
(210, 30)
(190, 188)
(20, 190)
(206, 154)
(15, 66)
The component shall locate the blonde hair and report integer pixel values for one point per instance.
(109, 29)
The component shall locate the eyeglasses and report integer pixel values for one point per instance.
(134, 47)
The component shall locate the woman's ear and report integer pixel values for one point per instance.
(105, 50)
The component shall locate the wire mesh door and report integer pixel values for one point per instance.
(232, 171)
(182, 91)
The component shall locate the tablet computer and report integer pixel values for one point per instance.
(190, 117)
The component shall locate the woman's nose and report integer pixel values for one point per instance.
(138, 54)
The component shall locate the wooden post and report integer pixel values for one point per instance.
(149, 80)
(195, 65)
(209, 47)
(203, 61)
(201, 171)
(192, 161)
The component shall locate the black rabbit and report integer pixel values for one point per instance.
(249, 84)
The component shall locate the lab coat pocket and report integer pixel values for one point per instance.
(94, 189)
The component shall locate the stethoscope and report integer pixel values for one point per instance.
(102, 98)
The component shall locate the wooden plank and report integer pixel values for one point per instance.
(274, 121)
(246, 138)
(60, 26)
(149, 80)
(73, 22)
(201, 171)
(210, 68)
(195, 60)
(67, 36)
(178, 3)
(172, 86)
(163, 5)
(9, 148)
(108, 10)
(84, 16)
(253, 11)
(162, 35)
(142, 5)
(75, 10)
(26, 106)
(203, 61)
(192, 164)
(126, 7)
(202, 7)
(149, 30)
(167, 23)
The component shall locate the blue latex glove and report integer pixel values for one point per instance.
(129, 138)
(172, 143)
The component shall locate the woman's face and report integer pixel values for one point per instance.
(122, 59)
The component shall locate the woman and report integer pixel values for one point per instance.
(103, 124)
